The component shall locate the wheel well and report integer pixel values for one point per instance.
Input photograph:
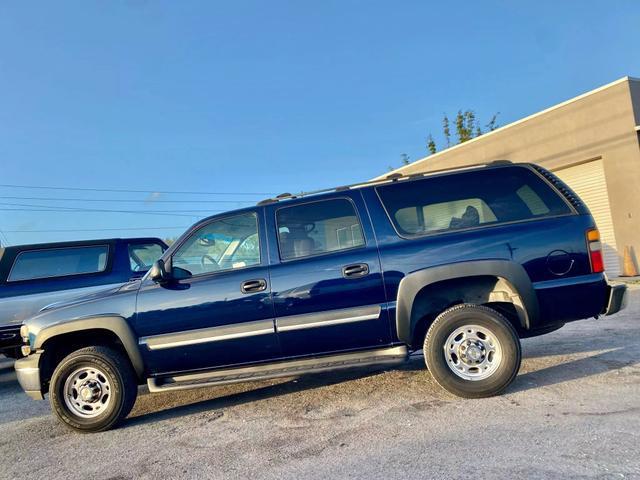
(58, 347)
(494, 292)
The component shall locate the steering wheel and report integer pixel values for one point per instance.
(212, 261)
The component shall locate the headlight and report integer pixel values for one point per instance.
(24, 333)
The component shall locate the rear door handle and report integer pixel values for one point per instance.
(252, 286)
(355, 271)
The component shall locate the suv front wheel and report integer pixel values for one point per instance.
(472, 351)
(93, 388)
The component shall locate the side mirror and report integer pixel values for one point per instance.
(158, 272)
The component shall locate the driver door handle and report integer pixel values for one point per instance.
(252, 286)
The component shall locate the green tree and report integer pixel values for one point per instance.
(404, 160)
(493, 123)
(466, 127)
(431, 145)
(445, 129)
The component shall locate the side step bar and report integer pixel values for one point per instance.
(381, 356)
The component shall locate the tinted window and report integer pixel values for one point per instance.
(248, 252)
(468, 200)
(317, 228)
(224, 244)
(142, 256)
(59, 262)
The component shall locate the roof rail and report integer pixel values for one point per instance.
(392, 177)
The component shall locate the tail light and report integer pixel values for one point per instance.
(595, 250)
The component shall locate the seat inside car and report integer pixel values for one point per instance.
(470, 218)
(296, 243)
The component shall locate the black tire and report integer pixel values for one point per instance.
(123, 388)
(438, 361)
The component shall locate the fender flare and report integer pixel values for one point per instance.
(511, 272)
(112, 323)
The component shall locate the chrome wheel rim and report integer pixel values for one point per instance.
(87, 392)
(473, 352)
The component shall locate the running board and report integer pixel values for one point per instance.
(382, 356)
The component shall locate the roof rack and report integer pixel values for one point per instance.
(392, 177)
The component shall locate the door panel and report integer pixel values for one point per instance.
(327, 301)
(205, 322)
(220, 315)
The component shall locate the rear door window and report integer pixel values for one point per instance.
(59, 262)
(469, 200)
(316, 228)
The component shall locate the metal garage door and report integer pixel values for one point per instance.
(588, 181)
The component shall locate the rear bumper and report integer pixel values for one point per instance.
(616, 298)
(28, 373)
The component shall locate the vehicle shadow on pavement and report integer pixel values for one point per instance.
(603, 362)
(605, 339)
(308, 382)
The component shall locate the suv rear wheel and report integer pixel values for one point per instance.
(93, 388)
(472, 351)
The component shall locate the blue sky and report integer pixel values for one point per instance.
(263, 97)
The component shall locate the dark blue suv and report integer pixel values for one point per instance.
(460, 264)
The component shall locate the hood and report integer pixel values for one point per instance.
(84, 298)
(119, 301)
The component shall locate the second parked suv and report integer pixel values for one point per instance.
(33, 277)
(460, 264)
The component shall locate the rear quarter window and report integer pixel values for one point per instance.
(59, 262)
(469, 200)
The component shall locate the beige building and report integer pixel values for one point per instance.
(592, 142)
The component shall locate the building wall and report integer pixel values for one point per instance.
(599, 124)
(634, 86)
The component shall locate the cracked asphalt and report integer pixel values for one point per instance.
(573, 412)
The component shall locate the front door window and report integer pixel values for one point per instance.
(225, 244)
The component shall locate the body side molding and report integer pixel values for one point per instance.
(205, 335)
(328, 318)
(260, 327)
